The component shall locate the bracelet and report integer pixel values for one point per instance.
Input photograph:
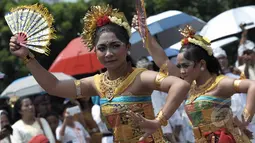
(161, 118)
(242, 76)
(77, 84)
(247, 116)
(236, 85)
(163, 73)
(28, 58)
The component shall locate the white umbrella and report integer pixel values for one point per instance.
(218, 43)
(165, 26)
(227, 23)
(28, 86)
(223, 42)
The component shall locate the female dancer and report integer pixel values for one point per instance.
(208, 104)
(122, 88)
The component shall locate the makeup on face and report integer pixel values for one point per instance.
(185, 64)
(112, 46)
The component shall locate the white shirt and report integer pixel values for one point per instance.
(5, 140)
(73, 135)
(23, 133)
(158, 100)
(96, 114)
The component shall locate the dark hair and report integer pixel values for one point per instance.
(130, 60)
(195, 53)
(68, 104)
(119, 31)
(52, 114)
(17, 108)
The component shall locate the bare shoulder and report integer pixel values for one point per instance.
(226, 82)
(151, 75)
(225, 86)
(148, 75)
(148, 80)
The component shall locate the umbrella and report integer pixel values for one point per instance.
(28, 86)
(165, 27)
(76, 59)
(223, 42)
(174, 49)
(227, 23)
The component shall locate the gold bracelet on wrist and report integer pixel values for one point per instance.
(28, 58)
(161, 118)
(247, 116)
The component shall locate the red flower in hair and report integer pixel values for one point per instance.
(185, 41)
(103, 21)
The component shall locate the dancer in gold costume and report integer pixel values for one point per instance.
(122, 88)
(208, 104)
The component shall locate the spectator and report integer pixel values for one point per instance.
(86, 106)
(246, 54)
(28, 126)
(54, 122)
(221, 56)
(144, 62)
(5, 129)
(71, 131)
(107, 136)
(42, 105)
(247, 50)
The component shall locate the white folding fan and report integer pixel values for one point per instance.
(33, 24)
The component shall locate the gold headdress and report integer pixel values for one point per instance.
(99, 16)
(189, 37)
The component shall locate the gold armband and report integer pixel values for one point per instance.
(242, 75)
(163, 73)
(28, 58)
(247, 116)
(161, 118)
(237, 84)
(78, 88)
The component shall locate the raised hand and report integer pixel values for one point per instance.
(139, 21)
(148, 126)
(16, 48)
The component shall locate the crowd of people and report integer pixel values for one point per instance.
(195, 98)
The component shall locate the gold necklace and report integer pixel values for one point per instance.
(196, 91)
(108, 86)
